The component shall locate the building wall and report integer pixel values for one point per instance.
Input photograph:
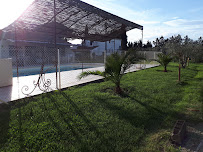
(4, 47)
(0, 48)
(67, 55)
(7, 75)
(112, 46)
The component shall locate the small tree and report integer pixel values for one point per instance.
(115, 68)
(164, 60)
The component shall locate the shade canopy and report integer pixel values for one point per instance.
(71, 19)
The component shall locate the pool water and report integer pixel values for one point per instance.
(36, 70)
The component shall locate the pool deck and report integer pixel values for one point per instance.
(68, 79)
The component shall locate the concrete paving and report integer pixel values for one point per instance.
(25, 84)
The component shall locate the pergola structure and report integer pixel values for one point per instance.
(69, 19)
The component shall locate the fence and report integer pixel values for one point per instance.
(27, 60)
(33, 60)
(39, 59)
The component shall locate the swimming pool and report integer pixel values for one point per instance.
(36, 70)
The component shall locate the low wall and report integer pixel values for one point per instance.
(149, 55)
(6, 74)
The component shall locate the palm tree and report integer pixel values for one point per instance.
(164, 60)
(115, 68)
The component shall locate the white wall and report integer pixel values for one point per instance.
(6, 74)
(112, 46)
(149, 54)
(69, 55)
(0, 49)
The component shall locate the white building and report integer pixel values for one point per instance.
(111, 46)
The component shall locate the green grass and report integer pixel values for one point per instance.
(93, 118)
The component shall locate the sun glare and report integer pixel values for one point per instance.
(10, 10)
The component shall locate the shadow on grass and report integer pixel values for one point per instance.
(182, 83)
(193, 68)
(111, 90)
(20, 105)
(164, 71)
(150, 120)
(199, 79)
(4, 123)
(151, 109)
(104, 142)
(20, 140)
(5, 110)
(67, 120)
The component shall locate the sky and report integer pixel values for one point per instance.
(159, 17)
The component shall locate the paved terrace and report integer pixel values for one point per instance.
(68, 79)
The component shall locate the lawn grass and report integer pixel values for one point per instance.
(93, 118)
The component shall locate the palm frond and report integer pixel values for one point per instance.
(87, 73)
(164, 59)
(131, 57)
(115, 67)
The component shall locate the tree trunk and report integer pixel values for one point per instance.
(165, 70)
(179, 73)
(118, 90)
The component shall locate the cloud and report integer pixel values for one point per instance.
(183, 22)
(151, 32)
(195, 10)
(193, 29)
(145, 22)
(174, 18)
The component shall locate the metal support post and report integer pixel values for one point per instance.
(105, 52)
(55, 43)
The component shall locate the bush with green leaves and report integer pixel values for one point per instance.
(115, 68)
(164, 60)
